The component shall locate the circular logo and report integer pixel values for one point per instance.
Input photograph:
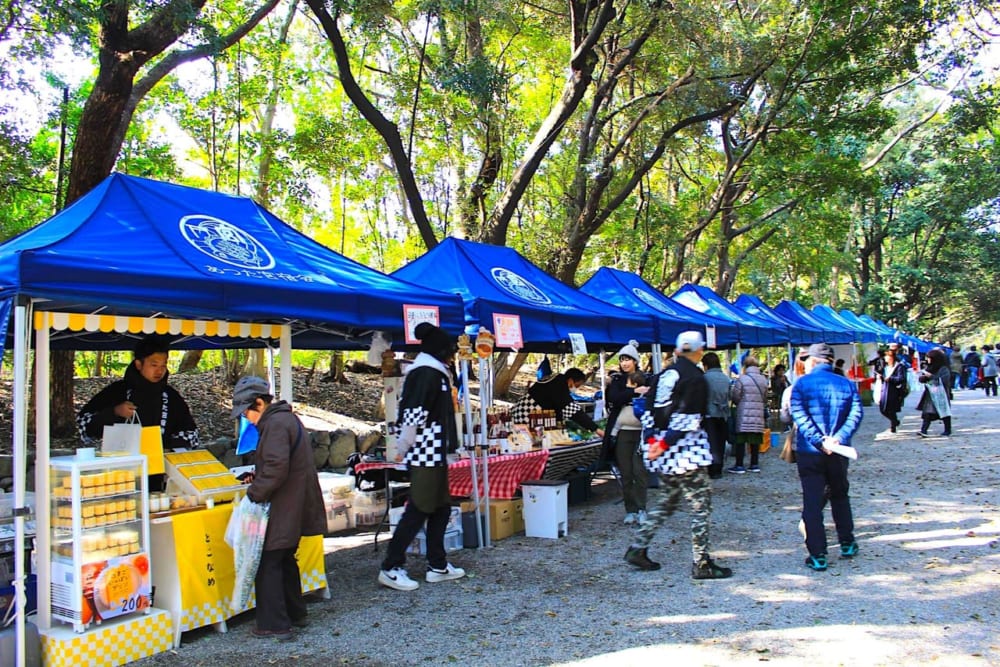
(225, 242)
(518, 286)
(651, 300)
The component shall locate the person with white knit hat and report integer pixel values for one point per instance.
(623, 433)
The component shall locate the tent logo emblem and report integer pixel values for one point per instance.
(650, 300)
(518, 286)
(225, 242)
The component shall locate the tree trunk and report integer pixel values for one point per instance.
(505, 372)
(190, 360)
(62, 415)
(336, 373)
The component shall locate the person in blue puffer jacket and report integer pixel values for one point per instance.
(826, 409)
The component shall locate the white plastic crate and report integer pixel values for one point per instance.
(453, 541)
(339, 516)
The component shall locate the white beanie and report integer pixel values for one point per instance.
(631, 350)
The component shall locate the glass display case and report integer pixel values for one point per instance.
(99, 538)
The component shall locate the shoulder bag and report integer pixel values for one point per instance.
(788, 448)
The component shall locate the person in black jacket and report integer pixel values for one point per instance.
(623, 443)
(554, 394)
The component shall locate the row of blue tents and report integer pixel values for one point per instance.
(138, 247)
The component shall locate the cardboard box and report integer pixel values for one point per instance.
(518, 506)
(501, 519)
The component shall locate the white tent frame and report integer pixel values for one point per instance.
(44, 322)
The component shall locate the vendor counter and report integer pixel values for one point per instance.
(193, 573)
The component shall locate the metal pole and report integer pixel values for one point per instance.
(485, 398)
(20, 475)
(470, 445)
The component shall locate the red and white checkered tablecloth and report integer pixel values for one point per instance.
(507, 471)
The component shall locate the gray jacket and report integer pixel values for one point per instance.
(749, 393)
(718, 393)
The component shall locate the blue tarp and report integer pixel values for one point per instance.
(495, 279)
(140, 247)
(752, 331)
(799, 334)
(629, 291)
(833, 334)
(854, 319)
(827, 314)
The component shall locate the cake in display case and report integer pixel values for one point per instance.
(99, 538)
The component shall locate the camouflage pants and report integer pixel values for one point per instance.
(694, 486)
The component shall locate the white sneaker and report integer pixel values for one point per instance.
(397, 578)
(447, 574)
(643, 517)
(631, 518)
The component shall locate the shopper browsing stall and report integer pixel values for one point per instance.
(285, 476)
(555, 393)
(427, 434)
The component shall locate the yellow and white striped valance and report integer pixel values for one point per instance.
(149, 325)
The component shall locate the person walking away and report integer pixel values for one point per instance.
(989, 371)
(681, 455)
(427, 433)
(893, 386)
(935, 401)
(285, 476)
(955, 364)
(717, 413)
(778, 384)
(970, 368)
(621, 441)
(826, 410)
(749, 394)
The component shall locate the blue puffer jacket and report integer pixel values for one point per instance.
(824, 403)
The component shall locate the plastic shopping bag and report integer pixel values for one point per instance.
(245, 534)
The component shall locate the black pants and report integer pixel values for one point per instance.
(715, 429)
(990, 385)
(279, 590)
(821, 474)
(409, 525)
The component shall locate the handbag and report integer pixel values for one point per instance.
(788, 447)
(131, 437)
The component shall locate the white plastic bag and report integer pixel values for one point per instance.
(245, 534)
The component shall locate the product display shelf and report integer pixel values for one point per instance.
(99, 539)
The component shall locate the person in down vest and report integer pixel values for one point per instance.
(426, 434)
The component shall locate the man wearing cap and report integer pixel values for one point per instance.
(679, 451)
(826, 410)
(285, 476)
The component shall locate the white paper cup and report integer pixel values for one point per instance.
(86, 454)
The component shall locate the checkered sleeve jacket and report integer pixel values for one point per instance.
(426, 420)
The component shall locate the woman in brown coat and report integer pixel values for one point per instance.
(285, 476)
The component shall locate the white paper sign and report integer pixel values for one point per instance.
(508, 331)
(578, 343)
(710, 336)
(414, 315)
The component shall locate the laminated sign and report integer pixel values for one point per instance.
(133, 438)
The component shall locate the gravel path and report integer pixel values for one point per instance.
(923, 590)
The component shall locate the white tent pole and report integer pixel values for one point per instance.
(485, 398)
(470, 444)
(21, 473)
(657, 358)
(286, 363)
(42, 444)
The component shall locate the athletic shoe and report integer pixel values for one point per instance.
(643, 517)
(447, 574)
(640, 559)
(631, 518)
(849, 550)
(924, 434)
(280, 635)
(817, 563)
(737, 470)
(754, 468)
(706, 569)
(397, 578)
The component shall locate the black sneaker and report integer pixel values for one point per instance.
(639, 558)
(707, 569)
(849, 550)
(817, 563)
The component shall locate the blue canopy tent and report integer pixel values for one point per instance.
(798, 333)
(832, 334)
(138, 247)
(629, 291)
(752, 331)
(497, 280)
(880, 335)
(861, 334)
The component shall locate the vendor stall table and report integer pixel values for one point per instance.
(193, 573)
(507, 471)
(564, 460)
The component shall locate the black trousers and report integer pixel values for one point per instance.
(716, 430)
(279, 590)
(821, 474)
(409, 525)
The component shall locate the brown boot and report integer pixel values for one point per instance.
(640, 559)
